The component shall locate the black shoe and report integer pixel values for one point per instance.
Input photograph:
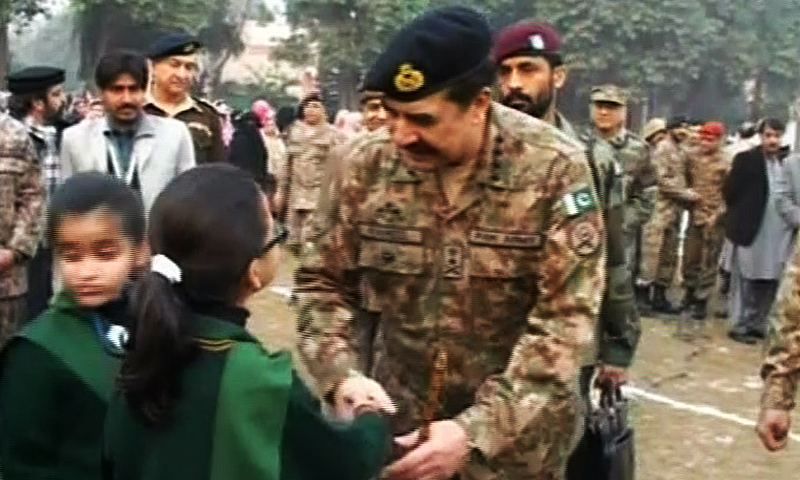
(643, 303)
(756, 334)
(742, 338)
(660, 303)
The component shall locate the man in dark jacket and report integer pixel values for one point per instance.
(37, 100)
(759, 239)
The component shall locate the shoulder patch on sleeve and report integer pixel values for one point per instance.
(584, 238)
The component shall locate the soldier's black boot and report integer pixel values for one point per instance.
(699, 309)
(688, 300)
(660, 302)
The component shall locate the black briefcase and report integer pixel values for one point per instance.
(606, 451)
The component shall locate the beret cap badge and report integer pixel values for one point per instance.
(408, 79)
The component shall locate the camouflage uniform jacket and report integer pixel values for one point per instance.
(21, 196)
(639, 179)
(618, 325)
(507, 281)
(308, 149)
(781, 368)
(707, 174)
(671, 163)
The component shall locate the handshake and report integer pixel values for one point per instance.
(437, 451)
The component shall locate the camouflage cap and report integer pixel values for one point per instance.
(654, 126)
(610, 94)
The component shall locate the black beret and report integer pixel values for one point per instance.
(34, 79)
(431, 53)
(174, 44)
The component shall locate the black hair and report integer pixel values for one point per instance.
(20, 104)
(284, 117)
(112, 65)
(301, 109)
(773, 123)
(677, 121)
(86, 192)
(210, 222)
(747, 130)
(467, 89)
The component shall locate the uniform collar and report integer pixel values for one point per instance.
(188, 104)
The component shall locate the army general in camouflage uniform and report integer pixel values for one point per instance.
(477, 234)
(531, 72)
(175, 68)
(20, 219)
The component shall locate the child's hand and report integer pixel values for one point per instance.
(6, 259)
(358, 394)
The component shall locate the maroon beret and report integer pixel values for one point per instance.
(525, 37)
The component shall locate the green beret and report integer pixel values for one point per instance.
(433, 52)
(34, 79)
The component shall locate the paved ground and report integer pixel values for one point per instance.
(692, 401)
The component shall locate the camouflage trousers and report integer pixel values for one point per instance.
(300, 229)
(702, 247)
(12, 312)
(660, 245)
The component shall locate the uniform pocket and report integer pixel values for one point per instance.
(392, 257)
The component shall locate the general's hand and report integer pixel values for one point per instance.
(357, 394)
(613, 377)
(439, 458)
(773, 428)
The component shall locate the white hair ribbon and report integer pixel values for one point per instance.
(164, 266)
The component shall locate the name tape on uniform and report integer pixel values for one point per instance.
(504, 239)
(390, 234)
(578, 202)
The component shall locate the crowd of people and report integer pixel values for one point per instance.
(470, 269)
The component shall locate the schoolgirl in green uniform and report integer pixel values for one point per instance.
(200, 398)
(57, 374)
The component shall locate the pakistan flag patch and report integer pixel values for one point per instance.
(578, 202)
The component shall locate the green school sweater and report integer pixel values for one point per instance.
(242, 414)
(55, 382)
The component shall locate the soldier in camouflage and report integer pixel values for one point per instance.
(609, 115)
(529, 80)
(781, 368)
(705, 234)
(20, 219)
(660, 245)
(310, 142)
(477, 233)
